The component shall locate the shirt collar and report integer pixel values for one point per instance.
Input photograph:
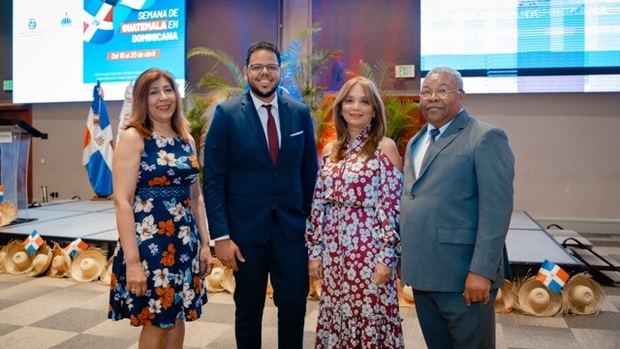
(443, 128)
(258, 103)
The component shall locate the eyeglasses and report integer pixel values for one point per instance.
(257, 68)
(441, 93)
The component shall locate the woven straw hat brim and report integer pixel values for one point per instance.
(17, 260)
(532, 291)
(217, 263)
(41, 260)
(106, 274)
(214, 280)
(582, 295)
(315, 288)
(61, 263)
(88, 265)
(8, 212)
(405, 294)
(3, 251)
(505, 300)
(228, 282)
(408, 294)
(269, 291)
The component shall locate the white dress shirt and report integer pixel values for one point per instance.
(262, 114)
(421, 146)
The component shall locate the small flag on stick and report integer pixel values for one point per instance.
(552, 276)
(33, 242)
(76, 246)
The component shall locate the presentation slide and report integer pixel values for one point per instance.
(513, 46)
(62, 48)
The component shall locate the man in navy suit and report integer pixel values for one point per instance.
(260, 170)
(455, 212)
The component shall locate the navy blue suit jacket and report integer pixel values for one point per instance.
(242, 187)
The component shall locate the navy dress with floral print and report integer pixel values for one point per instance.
(167, 238)
(353, 226)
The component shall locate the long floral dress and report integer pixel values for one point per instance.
(167, 237)
(352, 227)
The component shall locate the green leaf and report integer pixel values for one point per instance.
(228, 62)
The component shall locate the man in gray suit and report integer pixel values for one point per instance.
(455, 211)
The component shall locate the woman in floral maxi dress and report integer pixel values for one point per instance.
(352, 233)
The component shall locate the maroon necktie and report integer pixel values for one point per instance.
(272, 135)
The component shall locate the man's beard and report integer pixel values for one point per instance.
(258, 93)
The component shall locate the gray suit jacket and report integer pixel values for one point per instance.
(455, 214)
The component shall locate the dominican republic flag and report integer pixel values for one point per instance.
(1, 192)
(552, 276)
(33, 242)
(98, 26)
(98, 149)
(76, 246)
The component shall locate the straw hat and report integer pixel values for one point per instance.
(214, 280)
(106, 274)
(3, 257)
(61, 263)
(534, 298)
(315, 288)
(405, 294)
(505, 300)
(217, 263)
(88, 265)
(8, 212)
(582, 295)
(41, 260)
(228, 280)
(408, 294)
(17, 260)
(269, 291)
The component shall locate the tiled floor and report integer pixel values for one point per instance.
(59, 313)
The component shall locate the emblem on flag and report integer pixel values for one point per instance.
(552, 276)
(98, 26)
(76, 246)
(98, 150)
(104, 17)
(33, 242)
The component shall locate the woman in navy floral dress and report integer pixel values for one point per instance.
(163, 255)
(352, 233)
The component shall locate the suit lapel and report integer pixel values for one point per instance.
(251, 115)
(455, 128)
(285, 126)
(409, 180)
